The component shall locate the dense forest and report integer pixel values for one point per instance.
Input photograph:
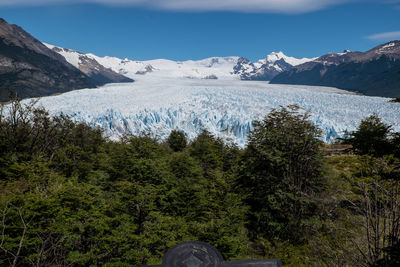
(71, 197)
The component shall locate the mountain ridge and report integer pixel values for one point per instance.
(89, 66)
(28, 68)
(375, 72)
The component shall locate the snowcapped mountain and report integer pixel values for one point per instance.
(232, 68)
(89, 66)
(274, 57)
(266, 69)
(374, 72)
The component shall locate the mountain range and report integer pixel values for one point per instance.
(375, 72)
(237, 68)
(31, 68)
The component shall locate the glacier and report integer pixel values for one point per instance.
(227, 108)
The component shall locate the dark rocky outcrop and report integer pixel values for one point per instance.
(147, 69)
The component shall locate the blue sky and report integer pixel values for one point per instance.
(195, 29)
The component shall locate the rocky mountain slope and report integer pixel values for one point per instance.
(90, 66)
(30, 69)
(266, 69)
(375, 72)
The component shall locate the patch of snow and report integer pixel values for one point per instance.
(344, 52)
(388, 45)
(275, 56)
(49, 45)
(72, 57)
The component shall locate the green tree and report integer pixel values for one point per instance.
(208, 150)
(281, 174)
(371, 137)
(177, 140)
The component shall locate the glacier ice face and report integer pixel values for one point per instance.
(226, 108)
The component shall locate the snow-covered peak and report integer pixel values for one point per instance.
(276, 56)
(267, 68)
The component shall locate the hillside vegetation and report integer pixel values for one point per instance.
(71, 197)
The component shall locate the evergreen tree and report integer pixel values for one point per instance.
(177, 140)
(281, 174)
(371, 137)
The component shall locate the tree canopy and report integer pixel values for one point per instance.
(70, 197)
(371, 137)
(281, 173)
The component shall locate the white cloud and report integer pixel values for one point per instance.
(385, 36)
(280, 6)
(275, 6)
